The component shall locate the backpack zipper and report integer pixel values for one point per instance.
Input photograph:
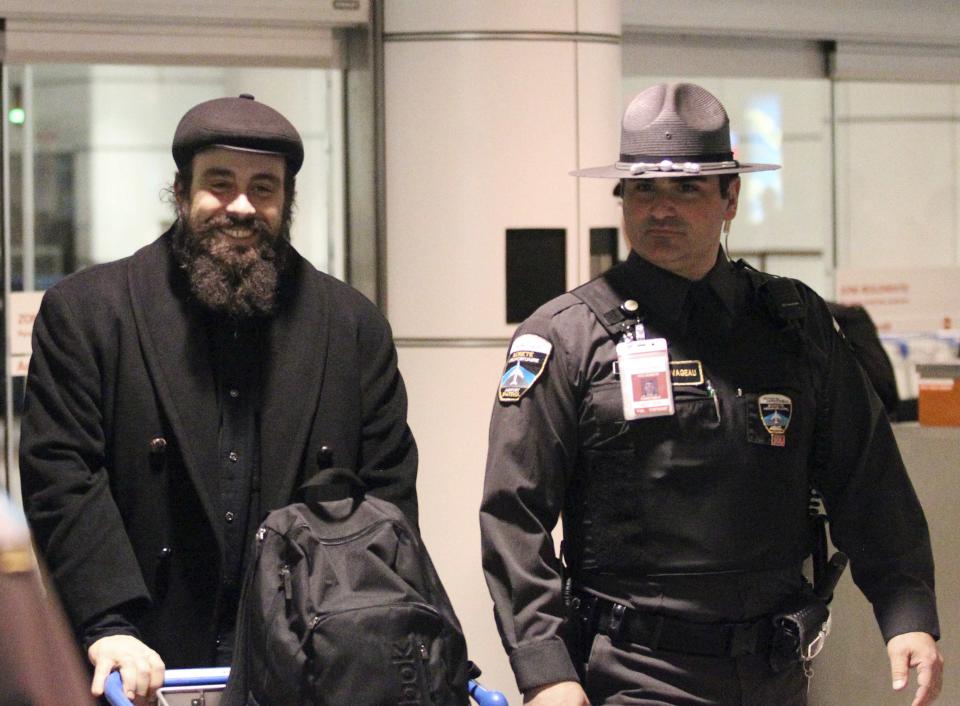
(317, 619)
(333, 541)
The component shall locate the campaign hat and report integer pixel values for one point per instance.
(241, 123)
(674, 130)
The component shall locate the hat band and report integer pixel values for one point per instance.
(711, 157)
(637, 166)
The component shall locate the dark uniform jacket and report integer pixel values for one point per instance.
(700, 514)
(120, 359)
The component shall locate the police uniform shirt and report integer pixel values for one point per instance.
(648, 504)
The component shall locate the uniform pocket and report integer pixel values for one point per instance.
(605, 402)
(697, 408)
(601, 417)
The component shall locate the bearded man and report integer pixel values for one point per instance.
(178, 395)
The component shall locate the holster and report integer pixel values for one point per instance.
(800, 629)
(579, 627)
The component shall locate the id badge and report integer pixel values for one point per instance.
(645, 378)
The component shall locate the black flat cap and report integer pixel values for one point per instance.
(241, 123)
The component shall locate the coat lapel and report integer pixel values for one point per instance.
(296, 351)
(176, 347)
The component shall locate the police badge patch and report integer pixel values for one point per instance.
(525, 363)
(775, 413)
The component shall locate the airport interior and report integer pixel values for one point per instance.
(439, 136)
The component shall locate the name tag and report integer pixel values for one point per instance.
(686, 372)
(645, 378)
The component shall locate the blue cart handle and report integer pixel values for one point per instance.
(209, 676)
(485, 697)
(212, 676)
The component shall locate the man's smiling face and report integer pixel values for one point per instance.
(236, 196)
(233, 228)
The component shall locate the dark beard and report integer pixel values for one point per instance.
(237, 281)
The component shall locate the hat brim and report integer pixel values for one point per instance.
(236, 148)
(612, 171)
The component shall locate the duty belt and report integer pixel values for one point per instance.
(662, 632)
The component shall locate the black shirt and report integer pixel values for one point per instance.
(236, 355)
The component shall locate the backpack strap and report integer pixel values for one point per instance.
(781, 299)
(778, 295)
(332, 484)
(605, 296)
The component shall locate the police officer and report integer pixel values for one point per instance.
(677, 411)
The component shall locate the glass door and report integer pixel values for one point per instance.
(7, 476)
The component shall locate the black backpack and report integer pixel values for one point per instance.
(342, 605)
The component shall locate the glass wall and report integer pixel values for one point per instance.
(898, 217)
(90, 158)
(898, 174)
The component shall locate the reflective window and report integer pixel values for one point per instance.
(898, 217)
(90, 158)
(898, 157)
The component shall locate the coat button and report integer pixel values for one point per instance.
(158, 445)
(233, 456)
(165, 553)
(324, 458)
(228, 516)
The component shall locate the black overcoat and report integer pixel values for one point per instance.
(121, 359)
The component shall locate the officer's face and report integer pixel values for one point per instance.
(675, 222)
(236, 196)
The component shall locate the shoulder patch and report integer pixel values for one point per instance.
(526, 361)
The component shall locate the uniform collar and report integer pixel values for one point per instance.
(723, 280)
(665, 293)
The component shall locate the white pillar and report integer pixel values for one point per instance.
(487, 108)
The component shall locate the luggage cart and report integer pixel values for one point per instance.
(202, 687)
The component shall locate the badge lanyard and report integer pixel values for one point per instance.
(644, 366)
